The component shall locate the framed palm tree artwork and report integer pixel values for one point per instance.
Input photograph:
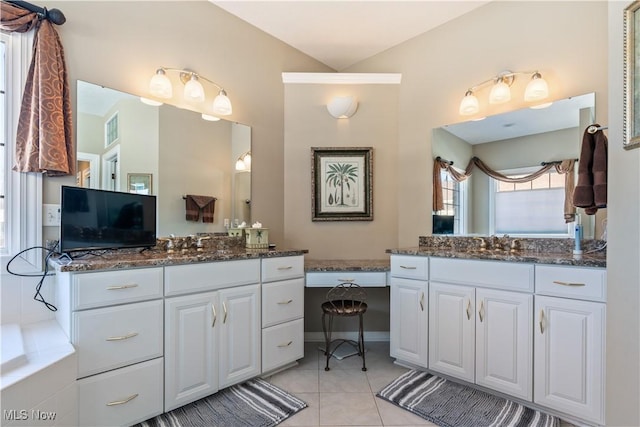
(341, 184)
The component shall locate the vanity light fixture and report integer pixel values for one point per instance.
(244, 162)
(160, 86)
(537, 89)
(342, 107)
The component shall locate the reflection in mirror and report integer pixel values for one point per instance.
(515, 143)
(118, 136)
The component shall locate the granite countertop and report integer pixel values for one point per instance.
(535, 257)
(156, 258)
(318, 265)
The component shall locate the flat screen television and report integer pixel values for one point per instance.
(442, 224)
(93, 219)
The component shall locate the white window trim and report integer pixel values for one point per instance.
(24, 190)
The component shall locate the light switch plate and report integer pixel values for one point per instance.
(50, 215)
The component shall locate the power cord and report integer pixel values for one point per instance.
(38, 295)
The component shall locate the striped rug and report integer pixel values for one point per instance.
(449, 404)
(253, 403)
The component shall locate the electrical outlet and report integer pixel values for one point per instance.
(51, 215)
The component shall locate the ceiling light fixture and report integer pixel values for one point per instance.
(537, 89)
(160, 86)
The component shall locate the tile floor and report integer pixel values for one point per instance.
(345, 395)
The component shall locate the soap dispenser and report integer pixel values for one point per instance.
(577, 250)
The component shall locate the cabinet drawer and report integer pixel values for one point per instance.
(282, 301)
(111, 337)
(104, 288)
(572, 282)
(281, 268)
(122, 397)
(489, 274)
(282, 344)
(410, 267)
(329, 279)
(182, 279)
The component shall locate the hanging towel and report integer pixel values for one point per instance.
(591, 190)
(195, 204)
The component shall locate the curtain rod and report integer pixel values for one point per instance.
(440, 159)
(556, 162)
(54, 15)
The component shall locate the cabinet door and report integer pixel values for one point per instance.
(504, 342)
(408, 340)
(452, 330)
(240, 334)
(191, 348)
(569, 356)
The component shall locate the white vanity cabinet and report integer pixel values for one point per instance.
(570, 340)
(480, 323)
(114, 319)
(282, 311)
(408, 310)
(212, 338)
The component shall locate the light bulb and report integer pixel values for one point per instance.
(222, 104)
(160, 85)
(247, 160)
(193, 90)
(500, 92)
(537, 89)
(240, 166)
(469, 104)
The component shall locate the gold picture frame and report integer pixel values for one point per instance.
(631, 119)
(140, 183)
(341, 184)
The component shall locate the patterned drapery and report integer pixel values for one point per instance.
(44, 141)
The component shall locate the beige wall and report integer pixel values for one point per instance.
(437, 68)
(120, 45)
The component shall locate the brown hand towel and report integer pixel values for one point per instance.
(591, 190)
(196, 203)
(600, 155)
(583, 193)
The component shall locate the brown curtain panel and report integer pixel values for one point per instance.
(565, 167)
(44, 141)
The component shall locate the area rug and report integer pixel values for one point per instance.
(252, 403)
(449, 404)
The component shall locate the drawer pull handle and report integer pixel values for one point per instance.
(542, 321)
(285, 345)
(285, 268)
(122, 402)
(224, 307)
(481, 311)
(422, 301)
(115, 288)
(215, 316)
(285, 302)
(468, 310)
(408, 267)
(123, 337)
(346, 280)
(557, 282)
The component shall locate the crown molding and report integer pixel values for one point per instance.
(342, 78)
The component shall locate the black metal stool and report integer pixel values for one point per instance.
(344, 300)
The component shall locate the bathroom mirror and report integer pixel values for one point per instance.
(511, 142)
(122, 140)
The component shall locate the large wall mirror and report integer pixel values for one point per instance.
(127, 145)
(516, 142)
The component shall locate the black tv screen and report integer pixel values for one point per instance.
(442, 224)
(98, 219)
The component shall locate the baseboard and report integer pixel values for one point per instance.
(370, 336)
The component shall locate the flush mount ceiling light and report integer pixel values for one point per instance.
(342, 107)
(160, 86)
(537, 89)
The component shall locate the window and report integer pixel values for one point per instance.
(111, 130)
(21, 202)
(533, 208)
(449, 219)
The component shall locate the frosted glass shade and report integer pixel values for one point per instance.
(469, 104)
(160, 85)
(193, 90)
(342, 107)
(500, 93)
(537, 89)
(222, 104)
(240, 165)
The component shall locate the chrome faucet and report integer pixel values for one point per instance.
(483, 243)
